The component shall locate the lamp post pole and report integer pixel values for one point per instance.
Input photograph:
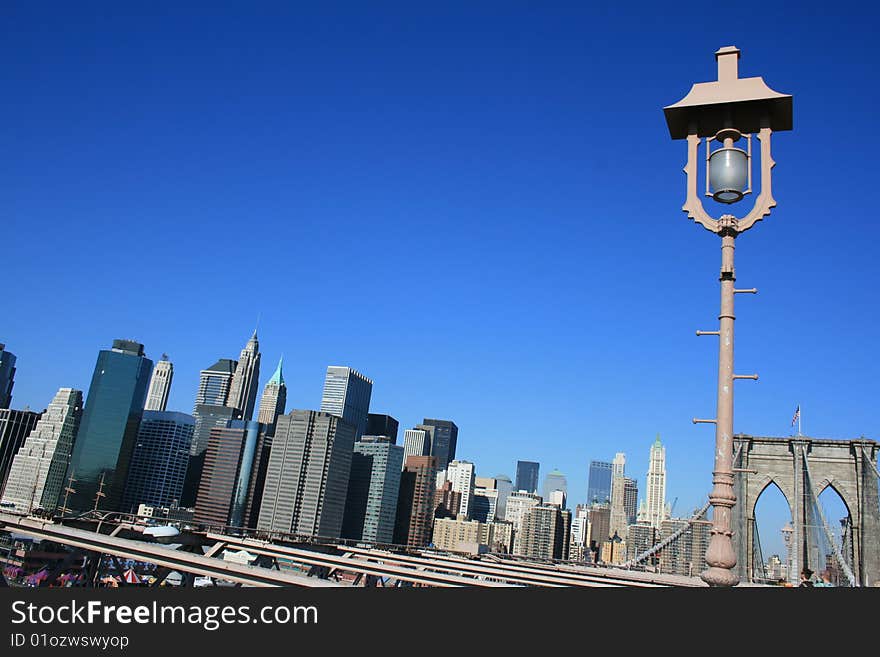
(725, 111)
(720, 555)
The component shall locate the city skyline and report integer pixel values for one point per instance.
(519, 106)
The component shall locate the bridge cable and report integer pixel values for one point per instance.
(828, 535)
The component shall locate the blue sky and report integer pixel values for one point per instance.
(475, 204)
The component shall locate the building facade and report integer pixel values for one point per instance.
(307, 478)
(373, 488)
(109, 427)
(555, 480)
(160, 385)
(207, 418)
(444, 440)
(15, 427)
(415, 504)
(214, 383)
(158, 465)
(599, 482)
(7, 376)
(347, 395)
(527, 476)
(416, 442)
(382, 425)
(245, 380)
(618, 496)
(274, 400)
(461, 474)
(231, 487)
(655, 485)
(36, 476)
(545, 533)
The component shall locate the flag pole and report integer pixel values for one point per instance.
(799, 421)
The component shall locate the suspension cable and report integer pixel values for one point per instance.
(828, 535)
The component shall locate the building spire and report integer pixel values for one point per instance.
(278, 376)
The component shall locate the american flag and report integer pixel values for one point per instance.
(797, 414)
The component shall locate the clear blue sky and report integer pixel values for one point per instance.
(475, 204)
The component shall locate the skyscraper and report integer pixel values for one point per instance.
(444, 439)
(545, 533)
(307, 478)
(415, 504)
(347, 395)
(527, 476)
(373, 488)
(15, 426)
(599, 484)
(618, 518)
(160, 385)
(655, 485)
(158, 465)
(108, 431)
(37, 473)
(630, 499)
(416, 442)
(243, 390)
(214, 383)
(555, 480)
(518, 503)
(7, 376)
(382, 425)
(207, 418)
(274, 400)
(461, 474)
(232, 483)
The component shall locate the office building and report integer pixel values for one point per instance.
(504, 487)
(15, 427)
(630, 499)
(415, 504)
(471, 536)
(545, 533)
(382, 425)
(307, 479)
(245, 380)
(37, 472)
(373, 488)
(461, 474)
(160, 385)
(235, 468)
(416, 442)
(207, 418)
(347, 395)
(599, 483)
(158, 466)
(518, 504)
(447, 501)
(641, 537)
(109, 427)
(557, 498)
(7, 376)
(444, 439)
(484, 507)
(655, 485)
(527, 476)
(618, 496)
(555, 480)
(600, 525)
(274, 400)
(214, 383)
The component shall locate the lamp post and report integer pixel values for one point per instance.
(727, 111)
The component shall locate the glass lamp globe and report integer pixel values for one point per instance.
(728, 174)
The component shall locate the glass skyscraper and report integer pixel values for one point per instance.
(444, 439)
(527, 476)
(214, 383)
(109, 427)
(599, 483)
(7, 376)
(371, 503)
(347, 396)
(158, 466)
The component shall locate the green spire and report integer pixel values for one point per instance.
(278, 377)
(657, 442)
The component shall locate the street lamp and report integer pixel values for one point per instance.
(726, 113)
